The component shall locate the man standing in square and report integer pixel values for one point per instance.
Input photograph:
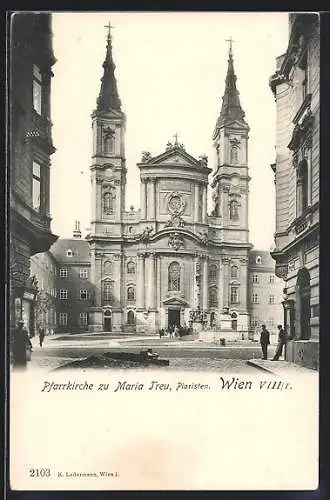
(264, 341)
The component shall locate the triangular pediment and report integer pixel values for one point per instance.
(174, 156)
(175, 301)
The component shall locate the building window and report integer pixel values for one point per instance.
(108, 203)
(213, 271)
(304, 83)
(131, 293)
(233, 210)
(63, 319)
(83, 273)
(234, 272)
(63, 293)
(37, 89)
(83, 319)
(63, 273)
(271, 321)
(130, 318)
(258, 259)
(83, 294)
(271, 279)
(130, 267)
(255, 278)
(36, 186)
(213, 297)
(107, 267)
(174, 272)
(107, 291)
(234, 154)
(254, 321)
(234, 295)
(271, 299)
(255, 298)
(302, 187)
(69, 253)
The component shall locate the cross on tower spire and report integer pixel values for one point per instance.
(109, 26)
(176, 139)
(230, 40)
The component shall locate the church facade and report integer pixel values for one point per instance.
(170, 260)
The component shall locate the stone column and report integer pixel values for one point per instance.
(309, 178)
(225, 206)
(118, 280)
(158, 274)
(118, 199)
(98, 200)
(97, 278)
(196, 208)
(204, 204)
(151, 281)
(153, 193)
(140, 281)
(205, 283)
(143, 198)
(225, 286)
(220, 287)
(197, 282)
(244, 285)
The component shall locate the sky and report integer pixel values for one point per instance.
(170, 70)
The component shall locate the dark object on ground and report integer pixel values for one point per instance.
(117, 360)
(223, 342)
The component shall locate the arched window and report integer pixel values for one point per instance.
(213, 272)
(174, 272)
(108, 203)
(213, 297)
(234, 154)
(233, 210)
(234, 272)
(108, 142)
(130, 267)
(131, 293)
(107, 267)
(130, 318)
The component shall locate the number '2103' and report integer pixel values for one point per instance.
(39, 472)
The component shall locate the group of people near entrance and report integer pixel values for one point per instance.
(21, 345)
(265, 341)
(174, 331)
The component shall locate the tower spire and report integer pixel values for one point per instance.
(108, 97)
(231, 107)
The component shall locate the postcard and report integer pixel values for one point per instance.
(164, 251)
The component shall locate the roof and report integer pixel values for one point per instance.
(266, 260)
(79, 248)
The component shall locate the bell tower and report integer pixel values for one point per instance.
(230, 178)
(108, 169)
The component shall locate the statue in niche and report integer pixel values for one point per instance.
(146, 156)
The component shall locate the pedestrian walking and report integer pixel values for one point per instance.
(264, 341)
(41, 335)
(281, 343)
(21, 344)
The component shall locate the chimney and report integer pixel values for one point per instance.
(76, 231)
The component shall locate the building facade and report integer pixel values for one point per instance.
(265, 294)
(43, 267)
(160, 265)
(73, 289)
(295, 85)
(30, 146)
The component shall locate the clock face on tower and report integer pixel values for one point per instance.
(176, 204)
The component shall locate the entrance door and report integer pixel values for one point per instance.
(173, 317)
(107, 321)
